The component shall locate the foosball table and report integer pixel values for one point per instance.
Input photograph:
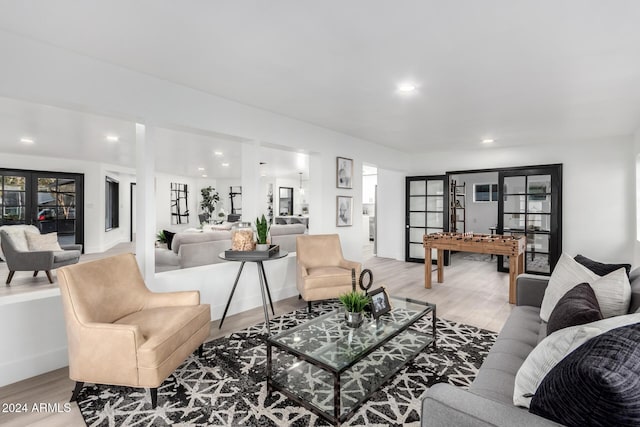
(511, 246)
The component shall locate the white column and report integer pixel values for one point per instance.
(320, 213)
(145, 201)
(252, 197)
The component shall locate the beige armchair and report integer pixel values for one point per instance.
(322, 271)
(121, 333)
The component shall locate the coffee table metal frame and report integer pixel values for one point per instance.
(272, 341)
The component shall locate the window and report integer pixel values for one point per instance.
(485, 193)
(112, 204)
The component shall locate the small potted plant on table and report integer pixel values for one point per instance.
(262, 230)
(354, 303)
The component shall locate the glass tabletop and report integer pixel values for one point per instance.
(328, 340)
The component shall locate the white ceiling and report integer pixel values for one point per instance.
(62, 133)
(516, 71)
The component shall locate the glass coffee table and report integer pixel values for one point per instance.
(332, 369)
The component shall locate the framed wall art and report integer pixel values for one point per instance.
(344, 211)
(344, 172)
(179, 203)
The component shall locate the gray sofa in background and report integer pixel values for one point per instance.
(285, 235)
(196, 248)
(489, 400)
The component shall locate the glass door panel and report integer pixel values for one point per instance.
(418, 203)
(540, 204)
(514, 185)
(435, 188)
(13, 198)
(51, 201)
(531, 206)
(425, 205)
(56, 201)
(515, 204)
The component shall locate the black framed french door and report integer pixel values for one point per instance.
(51, 201)
(427, 211)
(530, 205)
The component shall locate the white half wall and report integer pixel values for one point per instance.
(34, 340)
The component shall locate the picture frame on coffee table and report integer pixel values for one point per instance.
(379, 302)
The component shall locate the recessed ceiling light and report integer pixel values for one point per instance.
(487, 141)
(218, 153)
(113, 138)
(200, 169)
(26, 140)
(225, 164)
(204, 175)
(406, 87)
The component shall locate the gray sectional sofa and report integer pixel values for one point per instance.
(489, 400)
(196, 248)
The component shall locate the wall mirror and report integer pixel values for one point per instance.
(285, 201)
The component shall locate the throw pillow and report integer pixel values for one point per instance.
(599, 268)
(169, 236)
(43, 242)
(597, 384)
(567, 274)
(613, 292)
(576, 307)
(554, 348)
(17, 235)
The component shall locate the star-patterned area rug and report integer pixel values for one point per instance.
(228, 386)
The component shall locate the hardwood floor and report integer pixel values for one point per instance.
(472, 293)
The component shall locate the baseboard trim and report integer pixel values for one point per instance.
(18, 370)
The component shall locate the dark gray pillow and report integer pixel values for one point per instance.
(577, 307)
(169, 236)
(596, 384)
(600, 268)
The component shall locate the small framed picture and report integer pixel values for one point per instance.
(344, 172)
(344, 211)
(379, 302)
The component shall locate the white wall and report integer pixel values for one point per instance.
(391, 214)
(598, 217)
(479, 215)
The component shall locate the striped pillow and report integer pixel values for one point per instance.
(597, 384)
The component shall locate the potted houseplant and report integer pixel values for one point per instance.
(354, 303)
(210, 199)
(262, 230)
(221, 215)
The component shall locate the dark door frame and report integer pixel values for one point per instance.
(132, 192)
(445, 213)
(555, 231)
(31, 190)
(553, 169)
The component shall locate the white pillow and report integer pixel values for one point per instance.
(567, 274)
(554, 348)
(17, 235)
(43, 242)
(613, 293)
